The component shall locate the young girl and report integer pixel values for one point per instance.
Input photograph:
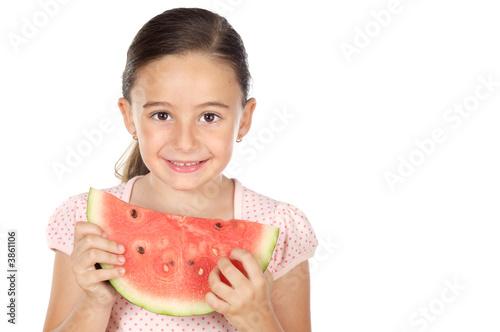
(185, 103)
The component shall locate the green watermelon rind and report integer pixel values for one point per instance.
(181, 308)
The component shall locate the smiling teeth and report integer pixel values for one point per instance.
(185, 164)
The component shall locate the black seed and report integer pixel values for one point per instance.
(218, 225)
(133, 213)
(191, 263)
(140, 250)
(171, 262)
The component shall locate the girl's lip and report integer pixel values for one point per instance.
(183, 166)
(185, 161)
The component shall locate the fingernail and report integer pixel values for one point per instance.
(121, 259)
(121, 248)
(104, 235)
(121, 271)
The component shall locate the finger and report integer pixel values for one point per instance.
(95, 249)
(249, 262)
(89, 258)
(216, 303)
(98, 242)
(89, 279)
(269, 278)
(232, 274)
(83, 228)
(217, 286)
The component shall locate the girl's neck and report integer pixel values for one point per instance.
(151, 193)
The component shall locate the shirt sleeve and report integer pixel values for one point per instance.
(61, 225)
(296, 242)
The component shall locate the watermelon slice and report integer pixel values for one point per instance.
(168, 257)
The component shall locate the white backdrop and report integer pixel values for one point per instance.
(379, 119)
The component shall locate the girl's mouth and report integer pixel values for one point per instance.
(185, 166)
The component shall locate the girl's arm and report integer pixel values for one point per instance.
(69, 308)
(290, 297)
(80, 299)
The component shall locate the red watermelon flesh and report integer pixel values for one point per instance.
(168, 257)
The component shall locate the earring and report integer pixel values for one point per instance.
(134, 136)
(239, 138)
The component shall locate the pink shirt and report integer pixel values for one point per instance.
(296, 243)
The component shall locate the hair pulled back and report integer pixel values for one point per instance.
(179, 31)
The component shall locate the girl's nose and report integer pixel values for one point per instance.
(183, 137)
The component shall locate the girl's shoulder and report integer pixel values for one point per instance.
(264, 209)
(297, 240)
(61, 224)
(75, 206)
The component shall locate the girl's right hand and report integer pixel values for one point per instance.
(91, 247)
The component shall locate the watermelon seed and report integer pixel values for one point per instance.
(216, 253)
(171, 263)
(165, 267)
(218, 225)
(140, 250)
(200, 272)
(133, 213)
(191, 263)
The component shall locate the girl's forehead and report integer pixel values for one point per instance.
(191, 65)
(194, 75)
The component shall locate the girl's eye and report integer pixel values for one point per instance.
(209, 117)
(162, 116)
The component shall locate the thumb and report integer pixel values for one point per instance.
(269, 278)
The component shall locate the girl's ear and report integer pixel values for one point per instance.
(128, 118)
(246, 118)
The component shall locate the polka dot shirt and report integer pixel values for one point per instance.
(296, 243)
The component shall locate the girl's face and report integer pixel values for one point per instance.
(187, 113)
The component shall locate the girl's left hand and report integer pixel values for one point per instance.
(246, 304)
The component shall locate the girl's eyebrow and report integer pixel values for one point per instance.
(156, 103)
(213, 103)
(164, 103)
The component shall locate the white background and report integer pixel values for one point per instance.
(385, 254)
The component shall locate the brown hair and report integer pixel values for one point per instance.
(179, 31)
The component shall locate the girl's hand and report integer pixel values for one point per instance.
(246, 304)
(91, 247)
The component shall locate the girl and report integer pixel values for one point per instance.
(185, 103)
